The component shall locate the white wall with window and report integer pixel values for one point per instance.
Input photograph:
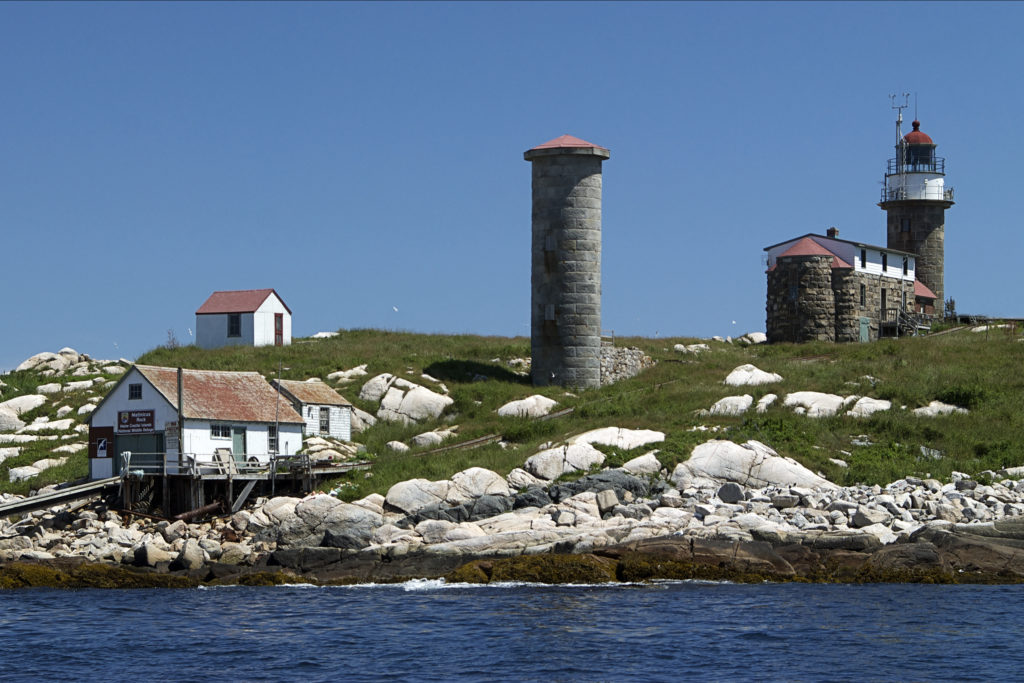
(333, 421)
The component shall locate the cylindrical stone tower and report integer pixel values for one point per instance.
(565, 315)
(915, 199)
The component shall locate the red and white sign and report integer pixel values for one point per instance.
(135, 421)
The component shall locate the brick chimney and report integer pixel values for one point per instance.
(833, 232)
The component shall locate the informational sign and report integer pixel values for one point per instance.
(101, 448)
(135, 421)
(171, 435)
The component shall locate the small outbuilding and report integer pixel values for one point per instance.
(224, 416)
(249, 317)
(325, 411)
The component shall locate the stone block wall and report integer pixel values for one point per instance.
(800, 309)
(619, 364)
(566, 270)
(920, 228)
(800, 305)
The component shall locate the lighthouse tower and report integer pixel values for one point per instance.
(565, 319)
(915, 199)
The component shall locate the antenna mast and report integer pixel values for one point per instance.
(900, 144)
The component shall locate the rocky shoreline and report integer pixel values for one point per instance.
(736, 512)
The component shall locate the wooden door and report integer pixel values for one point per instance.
(278, 329)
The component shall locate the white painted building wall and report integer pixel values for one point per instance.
(263, 322)
(212, 331)
(198, 440)
(257, 327)
(851, 253)
(915, 186)
(340, 421)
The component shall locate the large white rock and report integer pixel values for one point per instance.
(814, 403)
(732, 405)
(647, 463)
(519, 479)
(376, 387)
(415, 405)
(936, 408)
(416, 494)
(51, 388)
(691, 348)
(71, 448)
(867, 406)
(348, 375)
(532, 406)
(38, 359)
(22, 473)
(59, 425)
(753, 338)
(625, 439)
(47, 463)
(23, 404)
(552, 463)
(748, 375)
(362, 420)
(766, 400)
(77, 386)
(752, 464)
(9, 421)
(474, 482)
(9, 452)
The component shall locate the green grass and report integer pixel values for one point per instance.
(978, 372)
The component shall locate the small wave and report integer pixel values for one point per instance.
(423, 585)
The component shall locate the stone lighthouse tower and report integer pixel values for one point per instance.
(915, 199)
(565, 316)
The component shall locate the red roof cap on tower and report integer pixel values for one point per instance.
(916, 137)
(567, 141)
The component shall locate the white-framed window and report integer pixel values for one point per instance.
(272, 438)
(220, 431)
(325, 420)
(134, 392)
(234, 324)
(906, 265)
(885, 262)
(863, 258)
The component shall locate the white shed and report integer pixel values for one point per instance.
(249, 317)
(235, 412)
(325, 411)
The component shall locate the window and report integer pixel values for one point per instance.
(885, 261)
(906, 265)
(234, 324)
(134, 392)
(863, 258)
(904, 225)
(325, 420)
(863, 296)
(219, 431)
(272, 439)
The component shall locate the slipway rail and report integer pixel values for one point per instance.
(92, 489)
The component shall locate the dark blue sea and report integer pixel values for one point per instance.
(429, 631)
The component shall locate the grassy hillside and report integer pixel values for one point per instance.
(981, 372)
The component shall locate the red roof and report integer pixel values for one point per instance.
(221, 395)
(567, 141)
(809, 247)
(241, 301)
(916, 137)
(921, 291)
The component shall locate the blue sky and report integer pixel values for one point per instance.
(366, 157)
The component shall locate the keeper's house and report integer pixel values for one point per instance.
(235, 415)
(250, 317)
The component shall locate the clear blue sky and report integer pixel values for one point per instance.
(362, 157)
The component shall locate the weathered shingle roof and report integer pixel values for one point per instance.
(312, 392)
(220, 395)
(240, 301)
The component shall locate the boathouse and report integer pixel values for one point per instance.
(174, 421)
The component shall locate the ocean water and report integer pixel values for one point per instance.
(430, 631)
